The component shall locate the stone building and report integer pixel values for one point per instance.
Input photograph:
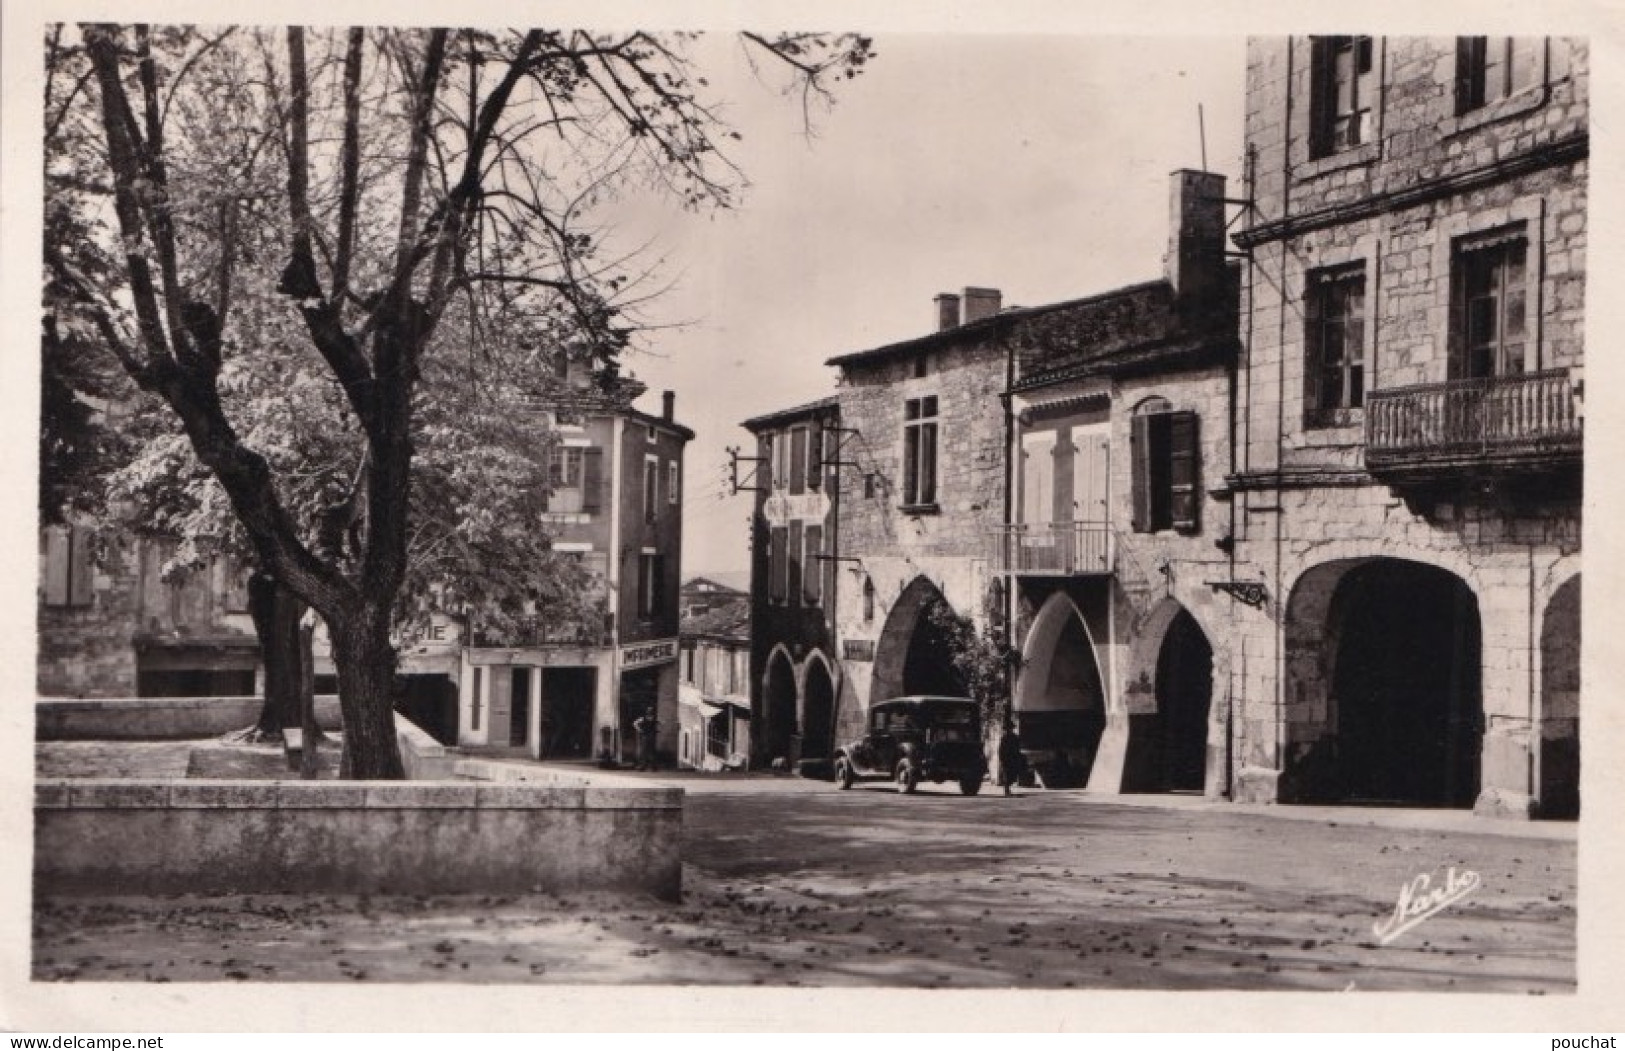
(1122, 405)
(1404, 500)
(111, 624)
(796, 583)
(713, 689)
(574, 691)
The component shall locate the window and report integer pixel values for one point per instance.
(778, 565)
(575, 476)
(651, 584)
(651, 488)
(1342, 95)
(812, 572)
(1334, 373)
(920, 452)
(478, 697)
(1163, 447)
(67, 567)
(673, 473)
(1489, 69)
(688, 664)
(1489, 307)
(868, 600)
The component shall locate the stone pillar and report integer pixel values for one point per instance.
(1506, 777)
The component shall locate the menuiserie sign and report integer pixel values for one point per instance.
(643, 654)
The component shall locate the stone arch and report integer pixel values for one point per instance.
(1383, 683)
(778, 707)
(1060, 695)
(1560, 702)
(911, 657)
(817, 707)
(1169, 701)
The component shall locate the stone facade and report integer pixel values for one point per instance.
(1332, 530)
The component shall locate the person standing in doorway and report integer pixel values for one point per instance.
(647, 728)
(1011, 761)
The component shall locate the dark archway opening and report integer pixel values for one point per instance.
(1184, 692)
(779, 708)
(1560, 704)
(1406, 686)
(818, 714)
(928, 669)
(566, 718)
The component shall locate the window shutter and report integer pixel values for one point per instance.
(793, 586)
(592, 479)
(1184, 475)
(657, 604)
(56, 566)
(1140, 472)
(812, 571)
(928, 463)
(777, 566)
(911, 464)
(815, 458)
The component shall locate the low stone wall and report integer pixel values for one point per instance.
(156, 718)
(424, 758)
(400, 837)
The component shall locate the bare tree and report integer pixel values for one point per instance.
(418, 170)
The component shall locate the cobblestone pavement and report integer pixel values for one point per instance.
(790, 882)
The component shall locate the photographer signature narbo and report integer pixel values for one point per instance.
(1420, 898)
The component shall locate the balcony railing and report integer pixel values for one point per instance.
(1504, 418)
(1061, 549)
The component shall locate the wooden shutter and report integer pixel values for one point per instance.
(911, 465)
(1139, 448)
(78, 566)
(798, 460)
(1063, 455)
(657, 602)
(1184, 475)
(812, 571)
(815, 458)
(928, 463)
(1091, 459)
(793, 585)
(777, 566)
(592, 479)
(56, 566)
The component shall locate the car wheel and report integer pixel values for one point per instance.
(970, 785)
(908, 778)
(843, 773)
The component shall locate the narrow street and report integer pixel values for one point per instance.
(790, 882)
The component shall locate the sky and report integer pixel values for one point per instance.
(1037, 165)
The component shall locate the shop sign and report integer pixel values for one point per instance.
(858, 649)
(782, 506)
(643, 654)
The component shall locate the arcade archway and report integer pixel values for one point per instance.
(1059, 700)
(778, 708)
(913, 655)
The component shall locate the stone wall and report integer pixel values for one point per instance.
(411, 837)
(1306, 511)
(86, 651)
(156, 718)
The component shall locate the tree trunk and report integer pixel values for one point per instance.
(365, 660)
(275, 612)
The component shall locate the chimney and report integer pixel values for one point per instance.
(668, 402)
(1194, 264)
(947, 311)
(981, 303)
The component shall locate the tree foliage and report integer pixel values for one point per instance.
(330, 256)
(982, 657)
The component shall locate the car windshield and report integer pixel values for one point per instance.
(950, 722)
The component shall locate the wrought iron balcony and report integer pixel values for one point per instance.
(1514, 423)
(1058, 549)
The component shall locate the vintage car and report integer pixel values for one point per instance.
(914, 739)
